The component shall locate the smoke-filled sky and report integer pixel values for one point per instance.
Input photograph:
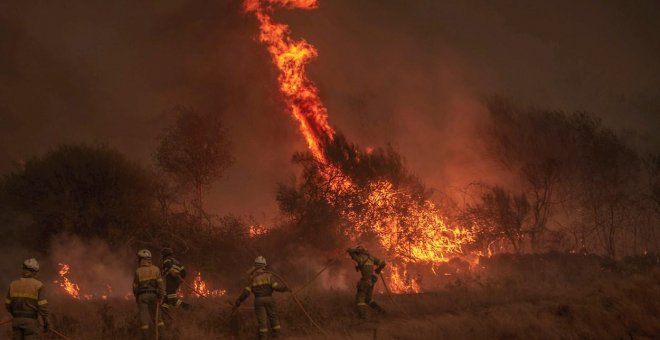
(411, 73)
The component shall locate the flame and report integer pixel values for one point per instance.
(69, 287)
(290, 57)
(73, 290)
(256, 230)
(409, 231)
(201, 287)
(400, 281)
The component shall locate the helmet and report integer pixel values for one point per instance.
(357, 249)
(166, 252)
(144, 254)
(260, 261)
(31, 264)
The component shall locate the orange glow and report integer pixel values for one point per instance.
(201, 287)
(256, 230)
(408, 230)
(400, 282)
(290, 57)
(73, 290)
(69, 287)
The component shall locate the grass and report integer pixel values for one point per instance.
(503, 300)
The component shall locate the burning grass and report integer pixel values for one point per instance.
(550, 296)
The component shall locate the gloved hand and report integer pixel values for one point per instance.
(287, 289)
(380, 268)
(237, 304)
(46, 327)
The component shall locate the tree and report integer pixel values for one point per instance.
(499, 215)
(87, 191)
(195, 152)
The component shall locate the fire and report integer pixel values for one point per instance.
(73, 290)
(69, 287)
(410, 231)
(256, 230)
(290, 57)
(200, 286)
(400, 282)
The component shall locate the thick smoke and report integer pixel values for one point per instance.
(391, 72)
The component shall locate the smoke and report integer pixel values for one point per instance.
(392, 72)
(94, 267)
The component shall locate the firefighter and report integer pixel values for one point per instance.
(26, 302)
(367, 265)
(173, 272)
(261, 283)
(149, 289)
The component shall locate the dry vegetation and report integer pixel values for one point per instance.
(550, 296)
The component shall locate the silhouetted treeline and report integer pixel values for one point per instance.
(580, 186)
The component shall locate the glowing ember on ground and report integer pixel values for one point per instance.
(408, 230)
(201, 287)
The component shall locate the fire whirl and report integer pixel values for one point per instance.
(410, 230)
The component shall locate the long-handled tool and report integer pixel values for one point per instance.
(59, 334)
(295, 299)
(49, 329)
(389, 294)
(157, 322)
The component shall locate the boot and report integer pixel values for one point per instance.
(377, 307)
(362, 312)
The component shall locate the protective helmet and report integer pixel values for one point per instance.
(166, 252)
(260, 261)
(357, 249)
(144, 254)
(31, 264)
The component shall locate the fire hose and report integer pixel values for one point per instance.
(330, 263)
(295, 299)
(49, 329)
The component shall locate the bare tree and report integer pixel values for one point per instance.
(499, 215)
(195, 152)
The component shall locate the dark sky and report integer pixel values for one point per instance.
(411, 73)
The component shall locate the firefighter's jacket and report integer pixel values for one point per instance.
(262, 284)
(26, 299)
(366, 264)
(173, 271)
(147, 279)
